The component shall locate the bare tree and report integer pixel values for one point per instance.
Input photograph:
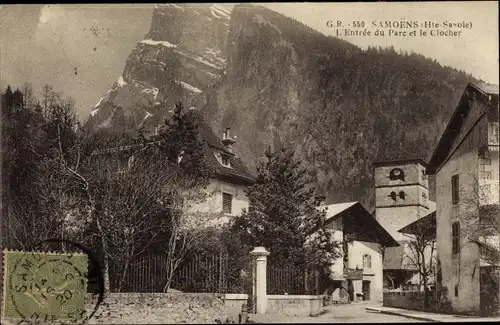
(188, 226)
(132, 201)
(480, 214)
(421, 256)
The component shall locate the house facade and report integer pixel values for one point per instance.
(226, 189)
(401, 198)
(465, 165)
(358, 274)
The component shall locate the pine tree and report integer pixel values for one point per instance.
(283, 213)
(184, 145)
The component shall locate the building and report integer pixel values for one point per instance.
(401, 197)
(359, 271)
(423, 233)
(226, 190)
(465, 165)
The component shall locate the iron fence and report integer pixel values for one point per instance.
(206, 273)
(292, 280)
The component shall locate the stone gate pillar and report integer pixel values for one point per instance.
(259, 255)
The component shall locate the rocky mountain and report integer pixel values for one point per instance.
(276, 81)
(183, 54)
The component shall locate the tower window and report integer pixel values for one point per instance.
(455, 186)
(456, 290)
(396, 173)
(455, 237)
(393, 196)
(227, 202)
(402, 195)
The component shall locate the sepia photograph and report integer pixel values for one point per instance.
(231, 163)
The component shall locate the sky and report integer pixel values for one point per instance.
(82, 49)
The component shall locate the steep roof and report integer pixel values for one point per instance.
(424, 226)
(381, 163)
(333, 210)
(486, 88)
(442, 150)
(355, 213)
(238, 170)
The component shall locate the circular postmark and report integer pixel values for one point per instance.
(48, 287)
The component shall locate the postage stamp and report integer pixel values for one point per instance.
(44, 287)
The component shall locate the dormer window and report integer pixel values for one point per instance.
(225, 161)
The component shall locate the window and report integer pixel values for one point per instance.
(454, 189)
(455, 237)
(227, 200)
(225, 161)
(456, 290)
(485, 175)
(424, 175)
(367, 261)
(397, 174)
(393, 196)
(402, 195)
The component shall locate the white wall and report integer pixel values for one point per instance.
(214, 203)
(461, 270)
(489, 187)
(335, 227)
(356, 250)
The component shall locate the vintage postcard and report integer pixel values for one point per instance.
(250, 162)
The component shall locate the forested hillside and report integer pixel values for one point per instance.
(276, 81)
(340, 106)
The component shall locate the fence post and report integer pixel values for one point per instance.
(316, 282)
(260, 281)
(306, 281)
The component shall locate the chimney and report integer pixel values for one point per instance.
(227, 140)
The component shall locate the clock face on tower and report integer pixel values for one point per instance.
(397, 174)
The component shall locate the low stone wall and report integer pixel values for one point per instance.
(294, 305)
(413, 300)
(163, 308)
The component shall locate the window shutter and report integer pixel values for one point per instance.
(455, 238)
(455, 189)
(227, 200)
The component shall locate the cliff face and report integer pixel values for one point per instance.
(275, 81)
(340, 107)
(182, 55)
